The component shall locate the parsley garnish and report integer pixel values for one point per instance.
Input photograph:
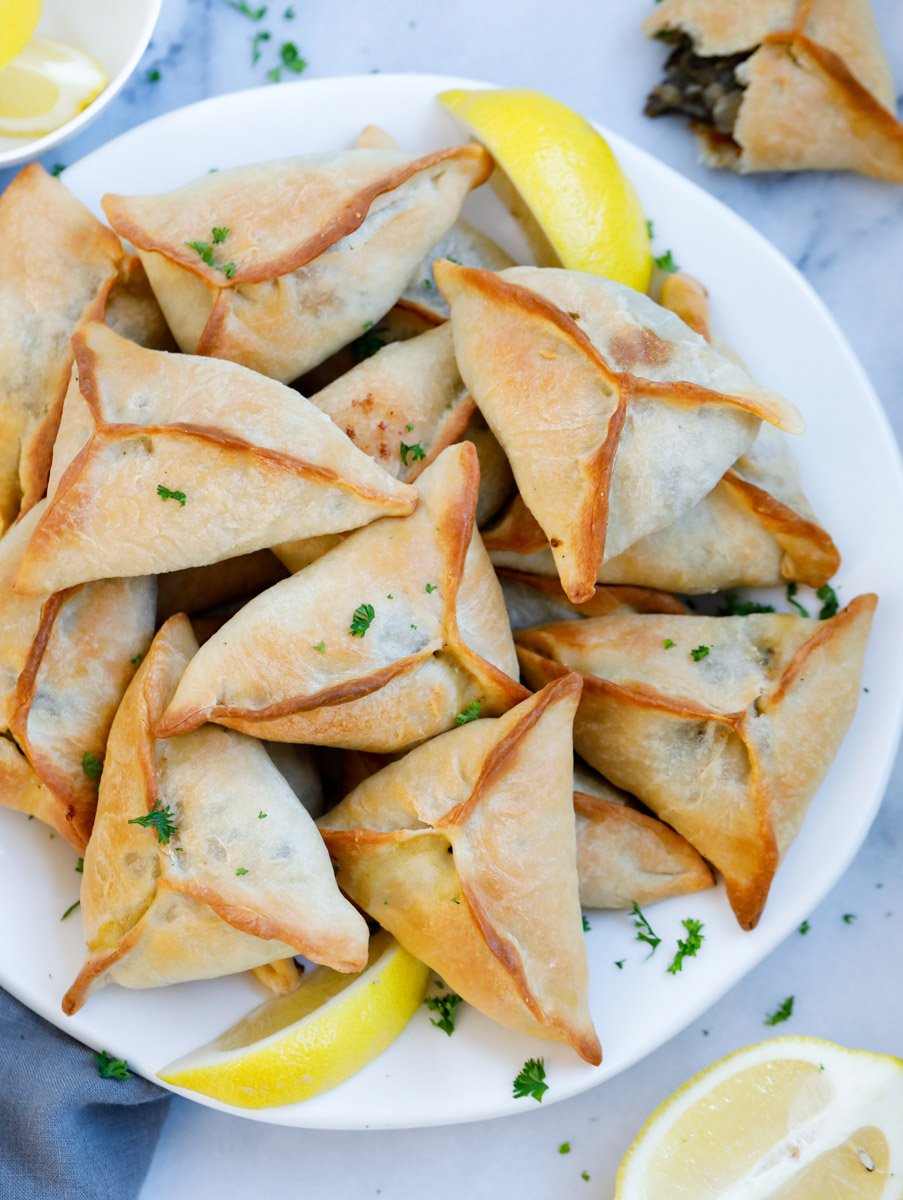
(586, 924)
(154, 76)
(470, 713)
(781, 1014)
(80, 866)
(564, 1148)
(584, 1175)
(445, 1006)
(57, 170)
(256, 42)
(228, 270)
(700, 653)
(92, 765)
(804, 928)
(667, 643)
(136, 659)
(109, 1067)
(361, 620)
(71, 909)
(428, 284)
(288, 15)
(220, 233)
(320, 647)
(849, 918)
(408, 427)
(619, 963)
(734, 607)
(254, 14)
(687, 947)
(830, 603)
(645, 932)
(160, 819)
(416, 452)
(430, 588)
(274, 75)
(368, 344)
(666, 262)
(166, 494)
(530, 1081)
(792, 589)
(291, 59)
(204, 250)
(261, 816)
(242, 871)
(650, 229)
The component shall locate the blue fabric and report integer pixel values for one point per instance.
(66, 1133)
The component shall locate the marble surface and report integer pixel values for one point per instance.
(846, 235)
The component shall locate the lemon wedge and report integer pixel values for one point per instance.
(796, 1118)
(561, 180)
(18, 21)
(45, 86)
(296, 1046)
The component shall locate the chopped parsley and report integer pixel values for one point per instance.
(220, 233)
(70, 910)
(416, 452)
(136, 659)
(320, 647)
(531, 1080)
(160, 819)
(204, 250)
(645, 932)
(470, 713)
(408, 427)
(667, 643)
(368, 344)
(430, 588)
(830, 603)
(428, 284)
(781, 1014)
(804, 928)
(274, 75)
(687, 947)
(666, 262)
(619, 963)
(849, 918)
(57, 169)
(291, 59)
(650, 229)
(80, 866)
(242, 871)
(792, 589)
(288, 15)
(446, 1007)
(700, 653)
(166, 493)
(92, 765)
(584, 1175)
(256, 42)
(253, 14)
(586, 924)
(361, 620)
(109, 1067)
(228, 270)
(735, 607)
(154, 76)
(261, 816)
(564, 1148)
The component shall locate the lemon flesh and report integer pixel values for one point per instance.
(561, 180)
(296, 1046)
(18, 21)
(45, 86)
(787, 1119)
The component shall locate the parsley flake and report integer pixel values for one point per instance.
(288, 15)
(849, 918)
(792, 589)
(783, 1013)
(256, 42)
(668, 643)
(291, 59)
(136, 659)
(160, 819)
(166, 493)
(242, 871)
(109, 1067)
(584, 1175)
(361, 620)
(408, 427)
(220, 233)
(80, 866)
(804, 928)
(700, 653)
(830, 603)
(430, 588)
(564, 1148)
(619, 963)
(470, 713)
(666, 262)
(92, 765)
(734, 607)
(253, 14)
(687, 947)
(71, 909)
(530, 1080)
(274, 75)
(416, 452)
(57, 169)
(446, 1007)
(261, 816)
(650, 230)
(644, 931)
(204, 250)
(154, 76)
(586, 924)
(320, 647)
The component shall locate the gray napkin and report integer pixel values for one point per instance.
(65, 1132)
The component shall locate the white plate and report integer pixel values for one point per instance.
(115, 32)
(853, 476)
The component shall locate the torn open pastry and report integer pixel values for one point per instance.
(723, 726)
(382, 642)
(202, 862)
(440, 848)
(780, 85)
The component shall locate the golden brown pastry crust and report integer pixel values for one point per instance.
(819, 93)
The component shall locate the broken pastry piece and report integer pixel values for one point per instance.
(626, 856)
(723, 726)
(465, 851)
(383, 642)
(202, 862)
(166, 461)
(57, 264)
(65, 662)
(780, 85)
(616, 418)
(279, 264)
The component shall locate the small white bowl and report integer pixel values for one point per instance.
(115, 32)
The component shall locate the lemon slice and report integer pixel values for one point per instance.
(793, 1118)
(46, 86)
(561, 180)
(296, 1046)
(18, 20)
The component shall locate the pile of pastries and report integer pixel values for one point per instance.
(286, 455)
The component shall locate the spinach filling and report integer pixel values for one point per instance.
(705, 89)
